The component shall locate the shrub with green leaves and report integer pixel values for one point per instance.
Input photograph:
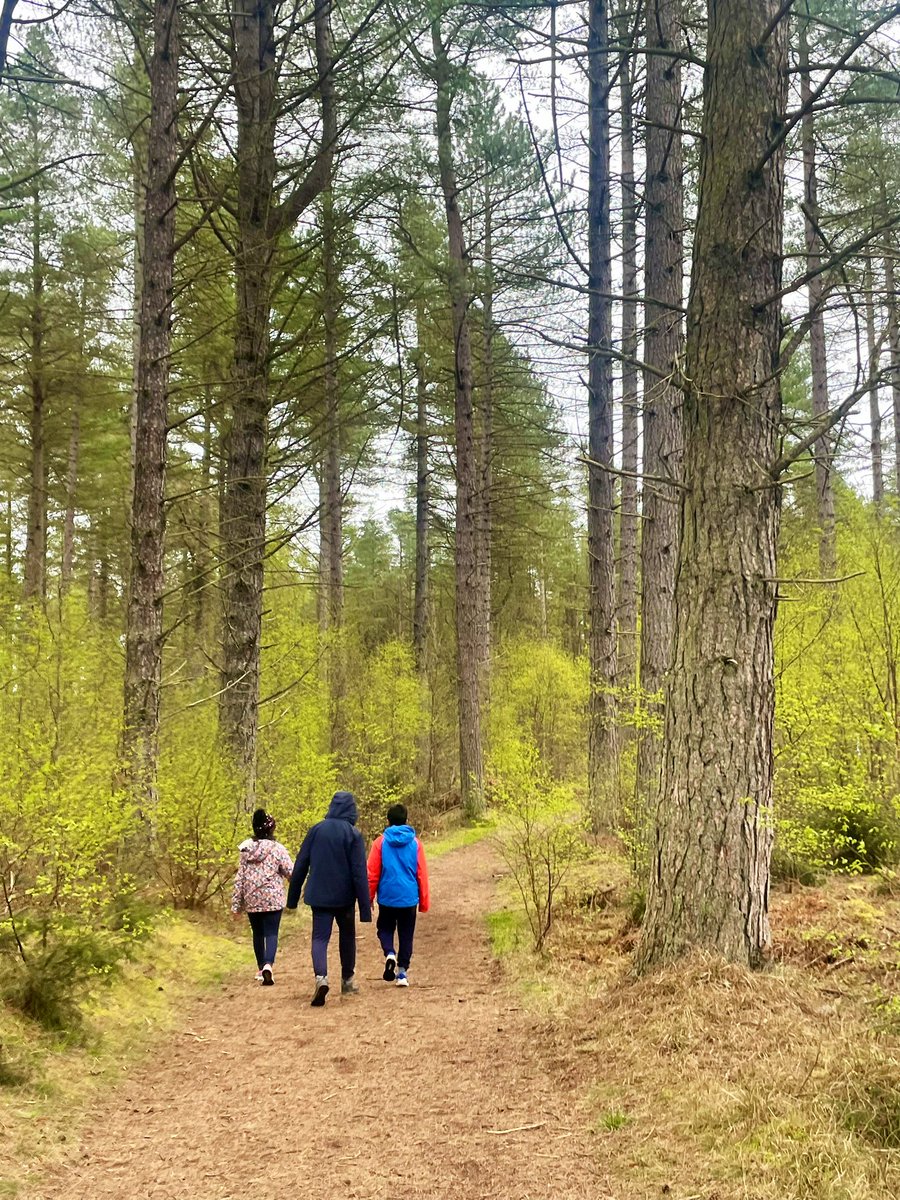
(540, 838)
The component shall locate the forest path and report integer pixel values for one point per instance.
(418, 1093)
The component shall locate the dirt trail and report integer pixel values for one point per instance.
(390, 1093)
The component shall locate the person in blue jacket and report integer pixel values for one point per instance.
(332, 863)
(398, 875)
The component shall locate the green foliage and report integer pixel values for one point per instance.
(539, 840)
(837, 714)
(384, 720)
(62, 826)
(61, 964)
(197, 822)
(538, 701)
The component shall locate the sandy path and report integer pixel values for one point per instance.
(391, 1093)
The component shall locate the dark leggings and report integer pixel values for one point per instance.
(403, 920)
(265, 935)
(322, 920)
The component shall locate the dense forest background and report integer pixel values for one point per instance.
(332, 339)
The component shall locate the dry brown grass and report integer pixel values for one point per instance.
(708, 1082)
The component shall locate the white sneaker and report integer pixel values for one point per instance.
(390, 968)
(267, 980)
(321, 991)
(402, 981)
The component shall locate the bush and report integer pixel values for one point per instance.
(839, 828)
(539, 698)
(539, 841)
(54, 969)
(384, 723)
(199, 817)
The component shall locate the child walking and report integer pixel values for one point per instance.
(398, 875)
(259, 890)
(333, 855)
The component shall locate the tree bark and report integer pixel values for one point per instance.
(36, 528)
(663, 342)
(485, 523)
(627, 594)
(139, 184)
(823, 453)
(332, 525)
(8, 537)
(68, 548)
(891, 300)
(6, 21)
(331, 560)
(709, 883)
(244, 508)
(423, 509)
(602, 791)
(872, 359)
(471, 768)
(143, 632)
(260, 222)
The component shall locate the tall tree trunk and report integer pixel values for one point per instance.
(331, 562)
(602, 781)
(423, 508)
(36, 529)
(260, 223)
(8, 536)
(823, 452)
(202, 559)
(331, 549)
(68, 548)
(72, 460)
(6, 22)
(663, 341)
(626, 595)
(709, 884)
(143, 631)
(892, 300)
(471, 767)
(485, 523)
(139, 184)
(244, 508)
(872, 359)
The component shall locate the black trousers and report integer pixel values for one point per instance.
(322, 921)
(265, 935)
(401, 921)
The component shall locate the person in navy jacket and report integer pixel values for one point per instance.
(398, 875)
(332, 863)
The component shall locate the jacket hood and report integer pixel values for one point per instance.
(343, 807)
(399, 835)
(255, 851)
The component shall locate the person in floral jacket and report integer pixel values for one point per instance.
(259, 890)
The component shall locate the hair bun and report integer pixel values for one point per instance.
(263, 824)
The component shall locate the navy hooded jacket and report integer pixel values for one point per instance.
(332, 862)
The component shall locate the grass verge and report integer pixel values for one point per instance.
(708, 1082)
(463, 835)
(48, 1080)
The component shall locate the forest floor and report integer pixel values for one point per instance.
(437, 1091)
(506, 1076)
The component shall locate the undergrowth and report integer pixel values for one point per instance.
(47, 1078)
(706, 1081)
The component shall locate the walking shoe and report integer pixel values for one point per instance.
(321, 991)
(349, 987)
(258, 976)
(390, 967)
(267, 980)
(402, 981)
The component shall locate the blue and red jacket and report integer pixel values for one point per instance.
(398, 873)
